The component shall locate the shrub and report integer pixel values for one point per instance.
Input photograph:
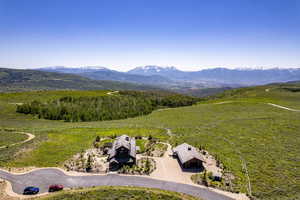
(97, 138)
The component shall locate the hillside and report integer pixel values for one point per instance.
(101, 73)
(168, 78)
(256, 142)
(282, 93)
(12, 80)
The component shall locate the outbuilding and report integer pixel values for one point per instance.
(188, 156)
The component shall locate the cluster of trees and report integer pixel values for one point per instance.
(292, 89)
(112, 107)
(163, 98)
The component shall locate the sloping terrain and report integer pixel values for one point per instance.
(12, 80)
(197, 83)
(258, 143)
(112, 75)
(162, 79)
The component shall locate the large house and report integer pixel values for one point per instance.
(123, 152)
(188, 156)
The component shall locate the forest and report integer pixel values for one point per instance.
(126, 104)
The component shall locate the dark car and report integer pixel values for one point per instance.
(31, 190)
(56, 187)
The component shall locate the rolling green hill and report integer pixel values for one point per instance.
(13, 80)
(258, 143)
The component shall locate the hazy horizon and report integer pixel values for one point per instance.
(182, 69)
(121, 35)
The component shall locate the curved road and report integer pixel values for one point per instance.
(44, 177)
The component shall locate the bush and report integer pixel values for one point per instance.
(97, 138)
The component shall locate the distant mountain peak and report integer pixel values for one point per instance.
(78, 68)
(157, 75)
(94, 67)
(152, 70)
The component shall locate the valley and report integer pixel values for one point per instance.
(258, 143)
(149, 100)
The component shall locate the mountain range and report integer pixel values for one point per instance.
(223, 75)
(198, 83)
(15, 80)
(171, 77)
(101, 73)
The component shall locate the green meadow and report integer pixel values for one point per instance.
(258, 143)
(9, 137)
(118, 193)
(61, 145)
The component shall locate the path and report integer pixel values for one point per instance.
(30, 137)
(271, 104)
(282, 107)
(244, 166)
(42, 178)
(223, 102)
(111, 93)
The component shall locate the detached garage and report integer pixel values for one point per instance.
(188, 156)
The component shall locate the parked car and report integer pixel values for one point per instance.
(31, 190)
(56, 187)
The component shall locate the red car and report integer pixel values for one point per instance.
(56, 187)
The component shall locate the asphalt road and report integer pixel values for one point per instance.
(44, 177)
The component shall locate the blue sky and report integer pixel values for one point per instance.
(122, 34)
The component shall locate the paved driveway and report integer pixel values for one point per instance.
(168, 168)
(45, 177)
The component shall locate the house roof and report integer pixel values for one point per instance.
(186, 152)
(123, 141)
(126, 142)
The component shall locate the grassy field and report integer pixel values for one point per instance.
(244, 134)
(61, 145)
(118, 193)
(9, 137)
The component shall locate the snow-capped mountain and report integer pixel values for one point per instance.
(223, 75)
(248, 76)
(170, 76)
(155, 70)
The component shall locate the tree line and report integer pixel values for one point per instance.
(111, 107)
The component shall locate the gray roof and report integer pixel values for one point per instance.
(126, 142)
(186, 152)
(123, 141)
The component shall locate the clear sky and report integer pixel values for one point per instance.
(122, 34)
